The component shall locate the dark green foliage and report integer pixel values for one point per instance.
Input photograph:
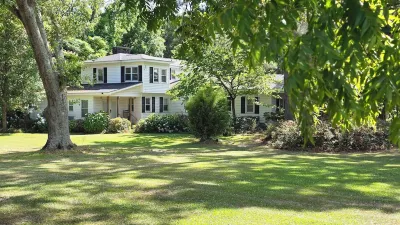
(76, 126)
(40, 125)
(246, 124)
(274, 116)
(156, 123)
(287, 135)
(95, 123)
(208, 113)
(119, 125)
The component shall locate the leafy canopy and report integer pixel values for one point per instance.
(342, 57)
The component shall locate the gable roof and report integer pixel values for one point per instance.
(131, 57)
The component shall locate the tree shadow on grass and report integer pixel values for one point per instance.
(143, 181)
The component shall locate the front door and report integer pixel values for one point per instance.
(113, 108)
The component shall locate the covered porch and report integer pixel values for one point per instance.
(120, 106)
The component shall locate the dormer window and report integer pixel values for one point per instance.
(155, 75)
(131, 74)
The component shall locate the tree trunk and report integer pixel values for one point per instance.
(233, 109)
(56, 112)
(4, 117)
(288, 112)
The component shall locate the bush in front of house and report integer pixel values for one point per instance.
(169, 123)
(274, 116)
(119, 125)
(208, 113)
(96, 123)
(76, 126)
(40, 125)
(286, 135)
(246, 124)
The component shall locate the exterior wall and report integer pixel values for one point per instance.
(159, 87)
(265, 100)
(137, 105)
(173, 108)
(76, 113)
(113, 72)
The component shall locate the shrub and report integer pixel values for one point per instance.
(246, 124)
(286, 135)
(40, 125)
(208, 113)
(119, 125)
(155, 123)
(95, 123)
(274, 116)
(76, 126)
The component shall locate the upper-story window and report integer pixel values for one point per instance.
(155, 75)
(173, 72)
(164, 76)
(131, 73)
(98, 74)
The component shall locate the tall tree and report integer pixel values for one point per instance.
(218, 65)
(63, 19)
(19, 79)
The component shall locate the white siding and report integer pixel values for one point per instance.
(130, 92)
(76, 113)
(137, 113)
(173, 108)
(159, 87)
(265, 100)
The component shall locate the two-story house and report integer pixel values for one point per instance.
(135, 86)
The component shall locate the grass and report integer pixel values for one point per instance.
(171, 179)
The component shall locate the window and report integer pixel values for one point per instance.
(279, 104)
(164, 76)
(155, 75)
(100, 75)
(131, 74)
(147, 105)
(165, 107)
(71, 106)
(250, 105)
(173, 72)
(229, 104)
(84, 107)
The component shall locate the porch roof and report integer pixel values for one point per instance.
(101, 88)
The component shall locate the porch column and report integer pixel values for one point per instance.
(130, 109)
(108, 105)
(118, 107)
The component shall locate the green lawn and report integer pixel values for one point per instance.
(171, 179)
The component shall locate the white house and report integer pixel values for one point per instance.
(135, 86)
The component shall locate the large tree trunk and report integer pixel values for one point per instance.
(288, 112)
(233, 109)
(4, 117)
(56, 112)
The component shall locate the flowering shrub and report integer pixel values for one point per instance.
(40, 125)
(156, 123)
(119, 125)
(95, 123)
(286, 135)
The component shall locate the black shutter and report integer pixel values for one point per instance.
(143, 104)
(140, 73)
(257, 106)
(94, 75)
(153, 104)
(105, 74)
(151, 74)
(170, 74)
(161, 104)
(122, 74)
(243, 104)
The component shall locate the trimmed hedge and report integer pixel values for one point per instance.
(286, 135)
(76, 126)
(155, 123)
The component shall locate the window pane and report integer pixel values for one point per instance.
(147, 107)
(155, 78)
(85, 104)
(164, 78)
(127, 70)
(135, 76)
(165, 104)
(164, 72)
(127, 76)
(84, 112)
(134, 70)
(250, 105)
(147, 100)
(165, 107)
(155, 71)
